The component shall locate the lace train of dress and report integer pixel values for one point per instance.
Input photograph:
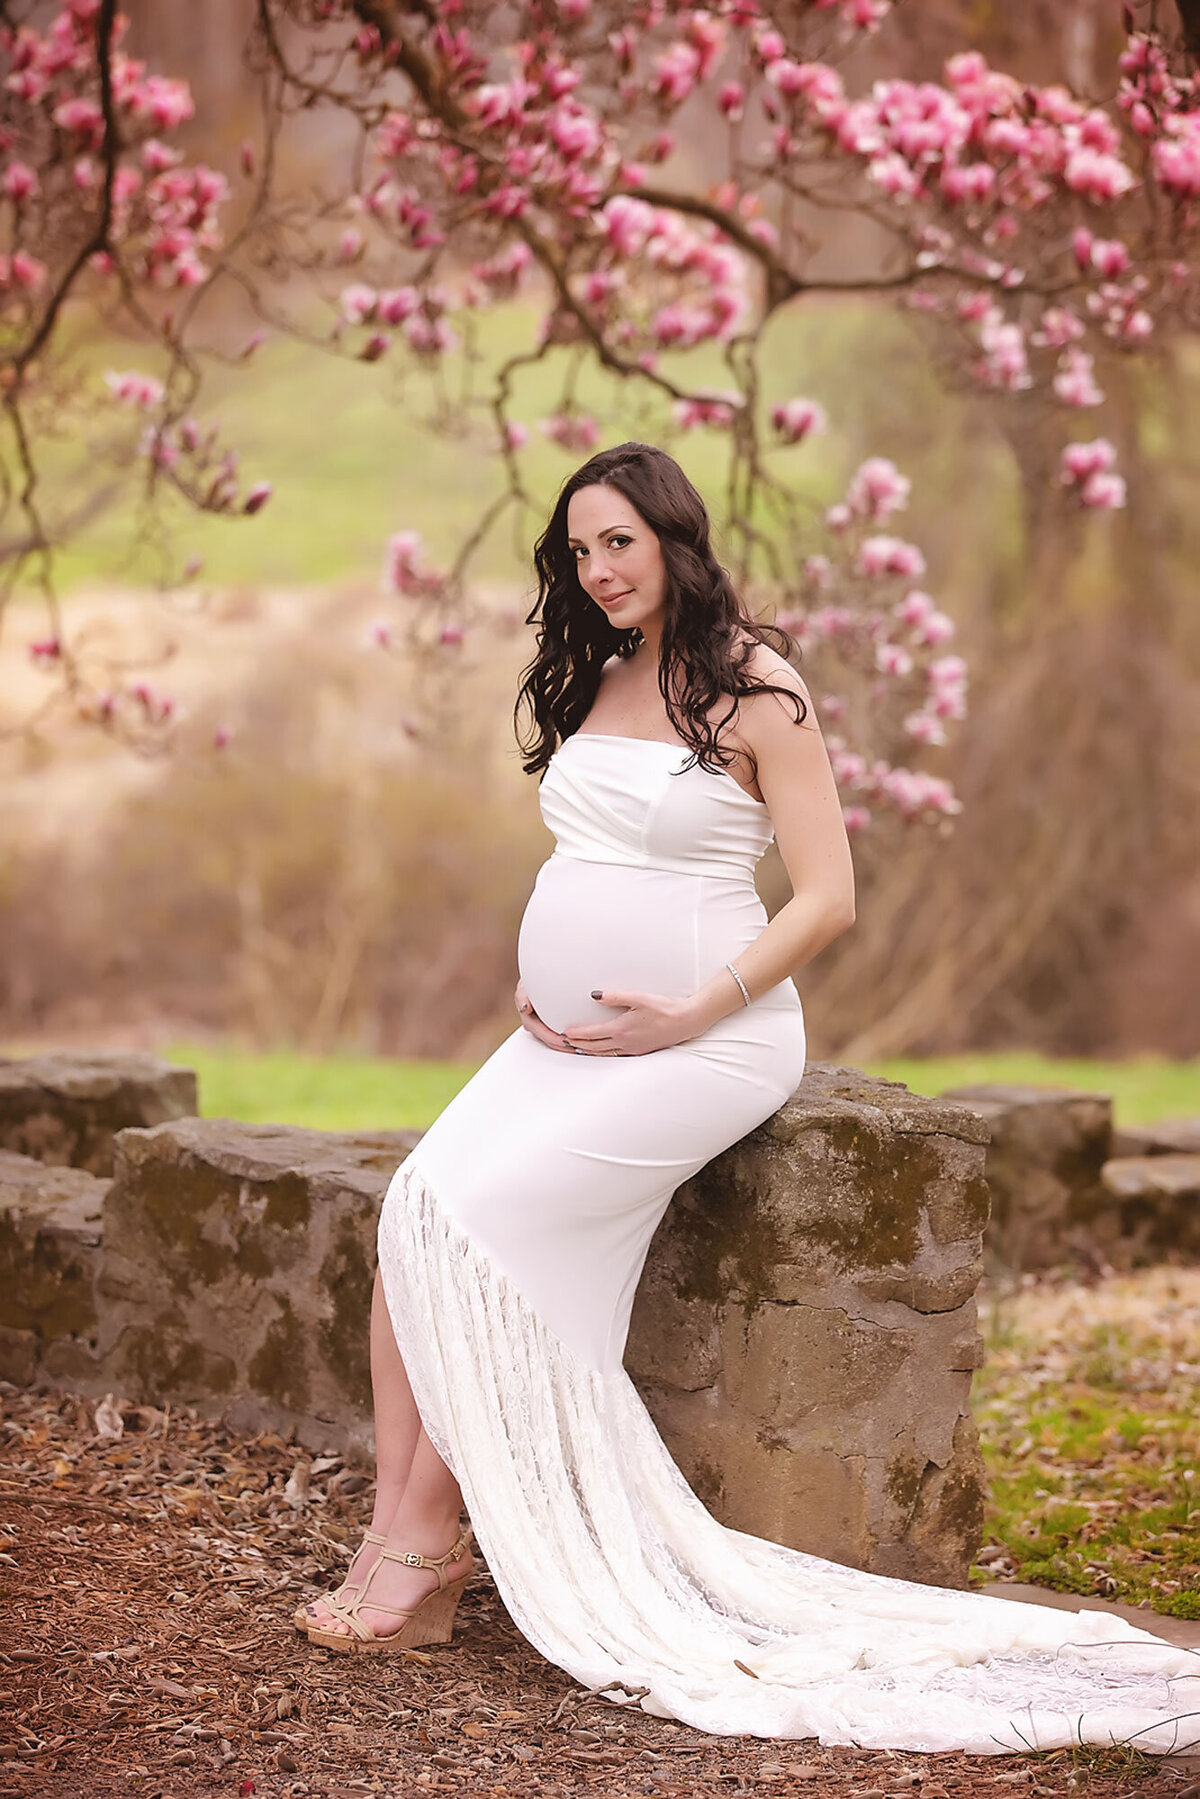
(510, 1244)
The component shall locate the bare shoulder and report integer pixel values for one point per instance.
(771, 714)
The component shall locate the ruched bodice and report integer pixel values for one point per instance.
(635, 801)
(650, 888)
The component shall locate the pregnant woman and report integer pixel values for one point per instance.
(658, 1026)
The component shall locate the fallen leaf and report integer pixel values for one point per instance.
(107, 1420)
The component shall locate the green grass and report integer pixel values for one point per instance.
(359, 1092)
(1087, 1408)
(331, 1093)
(1144, 1088)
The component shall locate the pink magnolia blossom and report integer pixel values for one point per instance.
(516, 435)
(452, 634)
(222, 737)
(913, 792)
(878, 489)
(156, 707)
(395, 304)
(849, 768)
(1057, 328)
(1075, 383)
(402, 570)
(1109, 257)
(914, 608)
(24, 271)
(156, 157)
(20, 182)
(893, 659)
(882, 555)
(257, 498)
(575, 130)
(1097, 175)
(1079, 460)
(578, 431)
(83, 118)
(627, 223)
(430, 338)
(794, 420)
(706, 409)
(732, 100)
(925, 727)
(856, 818)
(1175, 157)
(46, 650)
(894, 175)
(1103, 489)
(676, 72)
(936, 627)
(818, 572)
(135, 389)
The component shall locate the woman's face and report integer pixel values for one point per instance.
(618, 558)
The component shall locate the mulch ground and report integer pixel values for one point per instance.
(149, 1579)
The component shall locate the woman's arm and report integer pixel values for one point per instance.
(797, 783)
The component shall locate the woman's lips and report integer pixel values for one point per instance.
(610, 599)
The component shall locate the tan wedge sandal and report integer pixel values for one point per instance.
(430, 1622)
(301, 1618)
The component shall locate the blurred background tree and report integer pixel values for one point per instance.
(341, 873)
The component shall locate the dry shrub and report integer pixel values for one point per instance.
(284, 905)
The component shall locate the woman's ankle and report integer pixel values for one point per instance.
(429, 1533)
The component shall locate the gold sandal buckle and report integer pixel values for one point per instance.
(412, 1558)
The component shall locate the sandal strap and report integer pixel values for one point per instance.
(411, 1559)
(347, 1586)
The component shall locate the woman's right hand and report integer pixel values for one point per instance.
(533, 1024)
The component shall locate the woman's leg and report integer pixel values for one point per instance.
(397, 1432)
(427, 1520)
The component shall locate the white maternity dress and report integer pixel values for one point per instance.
(511, 1242)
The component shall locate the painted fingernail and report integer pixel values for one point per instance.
(596, 992)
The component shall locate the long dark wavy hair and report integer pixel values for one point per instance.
(707, 639)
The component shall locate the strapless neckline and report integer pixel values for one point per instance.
(663, 743)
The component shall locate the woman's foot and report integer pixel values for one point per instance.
(361, 1562)
(398, 1588)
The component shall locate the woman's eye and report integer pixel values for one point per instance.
(618, 543)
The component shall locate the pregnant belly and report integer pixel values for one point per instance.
(598, 924)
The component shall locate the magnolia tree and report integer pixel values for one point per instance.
(535, 152)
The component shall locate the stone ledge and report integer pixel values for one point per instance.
(50, 1238)
(66, 1107)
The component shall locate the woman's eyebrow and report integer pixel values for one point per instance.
(607, 531)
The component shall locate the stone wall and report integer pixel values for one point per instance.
(804, 1333)
(1068, 1189)
(805, 1329)
(66, 1108)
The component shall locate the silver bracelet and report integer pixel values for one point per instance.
(737, 977)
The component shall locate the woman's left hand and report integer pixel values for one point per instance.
(642, 1023)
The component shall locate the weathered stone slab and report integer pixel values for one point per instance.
(805, 1330)
(238, 1264)
(1169, 1137)
(50, 1234)
(66, 1107)
(1158, 1205)
(1048, 1145)
(804, 1334)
